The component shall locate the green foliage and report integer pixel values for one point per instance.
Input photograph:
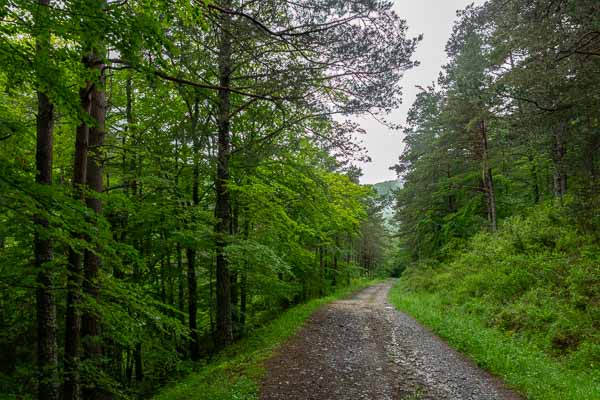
(518, 362)
(535, 287)
(301, 225)
(498, 143)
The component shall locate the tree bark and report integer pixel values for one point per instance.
(75, 259)
(90, 325)
(191, 252)
(235, 288)
(488, 183)
(321, 271)
(47, 359)
(334, 266)
(244, 277)
(560, 150)
(192, 305)
(224, 334)
(534, 178)
(243, 299)
(180, 285)
(139, 369)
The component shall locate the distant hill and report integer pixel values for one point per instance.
(386, 190)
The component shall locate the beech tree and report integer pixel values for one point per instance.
(47, 354)
(204, 178)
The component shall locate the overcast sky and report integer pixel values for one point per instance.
(434, 19)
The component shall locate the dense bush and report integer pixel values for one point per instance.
(537, 279)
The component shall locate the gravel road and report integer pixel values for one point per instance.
(362, 348)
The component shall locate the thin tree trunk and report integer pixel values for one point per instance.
(244, 278)
(243, 299)
(223, 204)
(234, 301)
(192, 305)
(129, 367)
(235, 312)
(488, 183)
(534, 178)
(451, 197)
(181, 275)
(191, 252)
(560, 150)
(211, 306)
(321, 272)
(334, 266)
(139, 369)
(47, 359)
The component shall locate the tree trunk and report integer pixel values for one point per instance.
(488, 183)
(235, 300)
(180, 286)
(46, 307)
(451, 197)
(75, 271)
(191, 252)
(244, 277)
(47, 358)
(560, 150)
(223, 204)
(192, 305)
(139, 369)
(129, 367)
(321, 272)
(334, 266)
(90, 326)
(235, 289)
(243, 299)
(534, 178)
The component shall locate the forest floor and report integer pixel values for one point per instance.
(362, 348)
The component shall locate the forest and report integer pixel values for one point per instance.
(176, 173)
(499, 214)
(180, 183)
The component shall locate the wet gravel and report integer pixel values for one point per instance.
(362, 348)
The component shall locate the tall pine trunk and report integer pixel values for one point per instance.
(47, 361)
(488, 182)
(223, 203)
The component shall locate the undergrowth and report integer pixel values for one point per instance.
(524, 303)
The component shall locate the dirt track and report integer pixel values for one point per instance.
(362, 348)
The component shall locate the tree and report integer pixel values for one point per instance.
(47, 353)
(199, 167)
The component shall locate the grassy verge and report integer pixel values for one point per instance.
(518, 362)
(237, 371)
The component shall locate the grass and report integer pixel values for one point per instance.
(519, 363)
(236, 372)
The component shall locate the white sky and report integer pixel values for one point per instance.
(434, 19)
